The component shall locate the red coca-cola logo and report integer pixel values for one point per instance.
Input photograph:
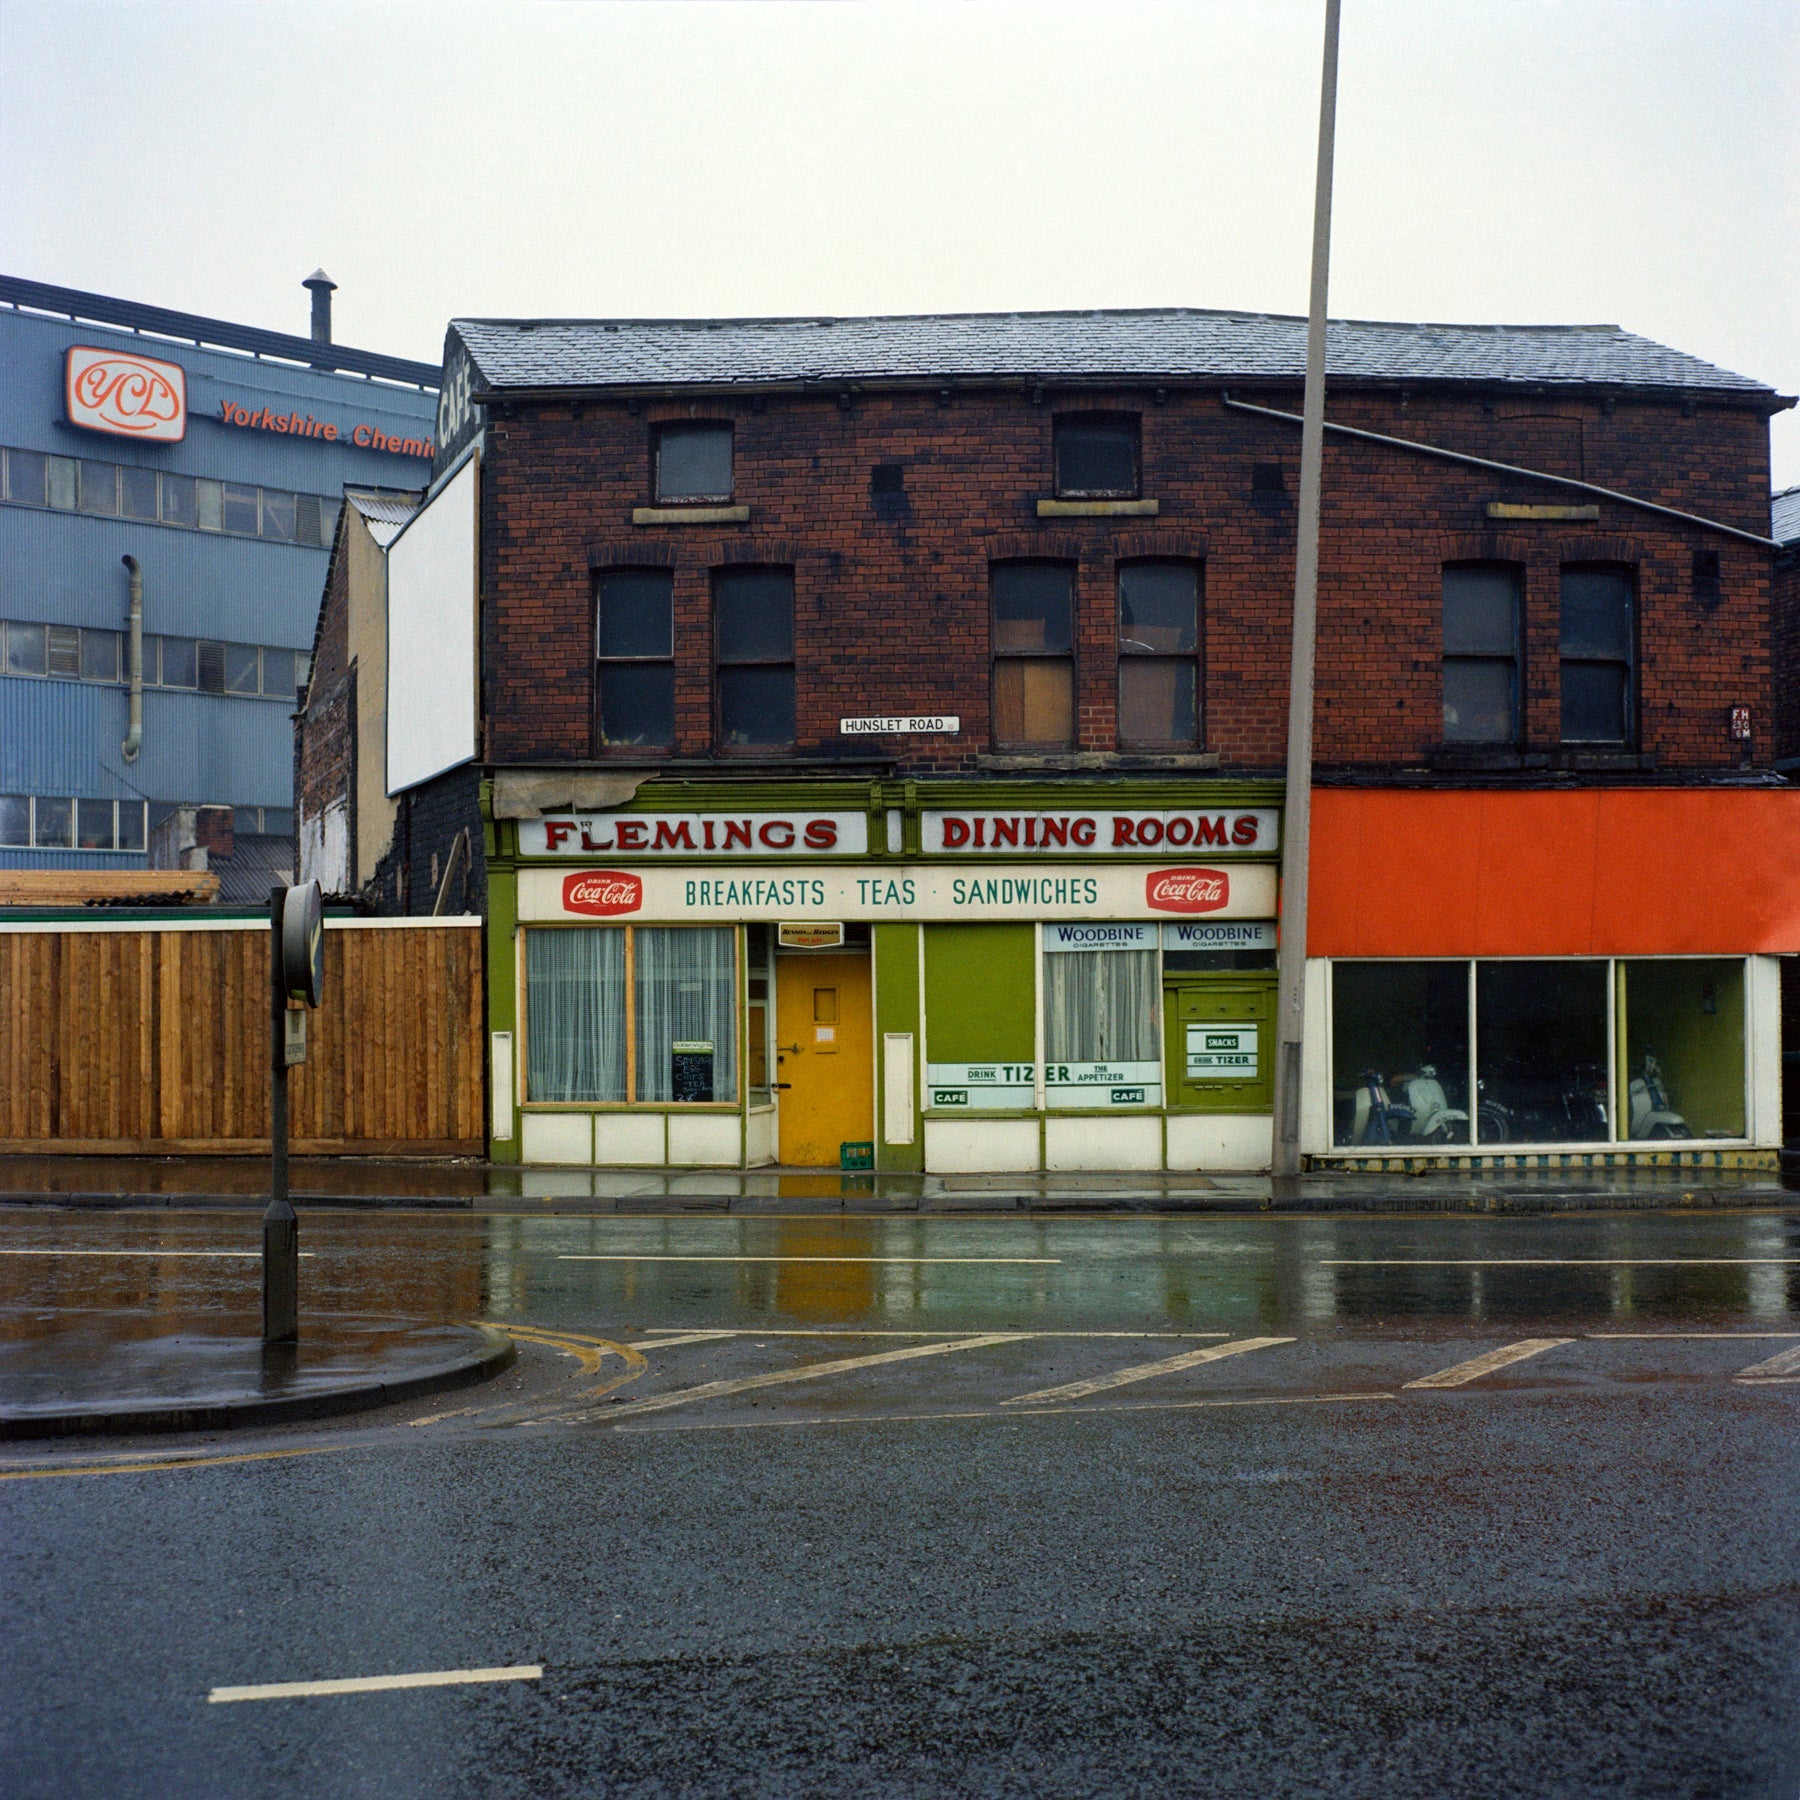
(603, 893)
(1187, 890)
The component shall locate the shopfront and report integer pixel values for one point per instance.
(917, 977)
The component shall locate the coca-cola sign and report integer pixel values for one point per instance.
(126, 395)
(603, 893)
(1187, 890)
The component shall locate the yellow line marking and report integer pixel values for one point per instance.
(743, 1384)
(1460, 1374)
(906, 1261)
(375, 1684)
(169, 1464)
(1784, 1362)
(1036, 1412)
(1188, 1359)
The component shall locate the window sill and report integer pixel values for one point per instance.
(1108, 761)
(690, 515)
(1098, 509)
(1483, 759)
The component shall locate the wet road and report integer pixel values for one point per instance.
(1253, 1506)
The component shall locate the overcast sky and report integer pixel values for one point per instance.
(1498, 160)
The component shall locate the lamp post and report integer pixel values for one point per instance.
(1296, 820)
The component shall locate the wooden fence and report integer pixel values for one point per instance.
(154, 1038)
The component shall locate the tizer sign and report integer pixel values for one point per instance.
(1187, 890)
(603, 893)
(126, 395)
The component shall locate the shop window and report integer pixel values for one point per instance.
(179, 506)
(1096, 456)
(1159, 645)
(15, 819)
(64, 650)
(575, 1014)
(1683, 1031)
(1100, 1006)
(137, 492)
(1481, 654)
(53, 823)
(685, 992)
(25, 653)
(1400, 1053)
(99, 487)
(25, 477)
(754, 638)
(1598, 704)
(1540, 1052)
(634, 637)
(693, 462)
(1034, 663)
(94, 824)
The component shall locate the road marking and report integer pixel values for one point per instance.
(1188, 1359)
(251, 1255)
(1672, 1337)
(1784, 1362)
(685, 1337)
(1554, 1262)
(743, 1384)
(994, 1412)
(375, 1684)
(1459, 1374)
(171, 1463)
(906, 1261)
(858, 1332)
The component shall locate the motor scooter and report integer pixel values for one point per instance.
(1651, 1114)
(1378, 1118)
(1434, 1119)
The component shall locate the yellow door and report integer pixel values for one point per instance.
(824, 1049)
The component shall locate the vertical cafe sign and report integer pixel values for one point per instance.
(125, 395)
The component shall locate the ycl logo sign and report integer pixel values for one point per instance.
(126, 395)
(603, 893)
(1187, 890)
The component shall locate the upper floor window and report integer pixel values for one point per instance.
(753, 638)
(1097, 456)
(1481, 654)
(1598, 701)
(634, 648)
(1159, 654)
(1034, 660)
(693, 462)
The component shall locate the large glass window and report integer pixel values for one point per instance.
(1034, 663)
(754, 640)
(693, 462)
(1097, 456)
(1400, 1053)
(634, 641)
(575, 1014)
(685, 989)
(1540, 1052)
(1598, 704)
(1481, 654)
(1683, 1074)
(1159, 644)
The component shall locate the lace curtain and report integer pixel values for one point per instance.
(686, 980)
(1100, 1006)
(575, 1014)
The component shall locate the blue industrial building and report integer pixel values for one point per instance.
(214, 457)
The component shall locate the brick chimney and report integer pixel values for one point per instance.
(212, 831)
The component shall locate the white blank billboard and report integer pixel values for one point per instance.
(431, 637)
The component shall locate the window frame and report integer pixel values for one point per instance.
(1068, 656)
(601, 662)
(1195, 658)
(718, 579)
(1631, 726)
(1515, 574)
(1070, 422)
(667, 427)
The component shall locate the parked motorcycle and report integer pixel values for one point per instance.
(1434, 1119)
(1378, 1118)
(1652, 1116)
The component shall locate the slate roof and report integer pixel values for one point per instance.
(1174, 343)
(1784, 516)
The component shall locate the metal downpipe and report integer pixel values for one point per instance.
(134, 737)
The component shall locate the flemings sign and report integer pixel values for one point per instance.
(125, 395)
(664, 835)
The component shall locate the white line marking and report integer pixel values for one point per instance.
(1784, 1362)
(907, 1261)
(828, 1331)
(743, 1384)
(254, 1255)
(1458, 1374)
(1749, 1337)
(684, 1337)
(1188, 1359)
(1035, 1412)
(1553, 1262)
(375, 1684)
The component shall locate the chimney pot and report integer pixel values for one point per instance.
(321, 287)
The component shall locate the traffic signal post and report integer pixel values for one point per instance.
(296, 982)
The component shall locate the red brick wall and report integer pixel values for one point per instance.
(322, 732)
(892, 612)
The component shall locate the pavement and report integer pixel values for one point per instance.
(1252, 1505)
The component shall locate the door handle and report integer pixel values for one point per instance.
(780, 1087)
(788, 1049)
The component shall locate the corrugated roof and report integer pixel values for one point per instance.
(1784, 516)
(387, 509)
(1175, 343)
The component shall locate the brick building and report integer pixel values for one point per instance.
(871, 732)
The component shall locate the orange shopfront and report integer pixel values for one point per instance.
(1554, 976)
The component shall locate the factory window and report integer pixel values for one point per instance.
(693, 462)
(1159, 655)
(99, 487)
(59, 822)
(99, 655)
(1034, 664)
(137, 492)
(25, 650)
(15, 819)
(25, 477)
(1597, 639)
(753, 614)
(1481, 654)
(240, 508)
(634, 643)
(178, 502)
(180, 664)
(65, 652)
(53, 822)
(278, 515)
(1096, 456)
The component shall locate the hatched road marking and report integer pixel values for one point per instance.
(744, 1384)
(1188, 1359)
(375, 1684)
(1460, 1374)
(1783, 1366)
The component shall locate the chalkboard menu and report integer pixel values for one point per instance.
(691, 1063)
